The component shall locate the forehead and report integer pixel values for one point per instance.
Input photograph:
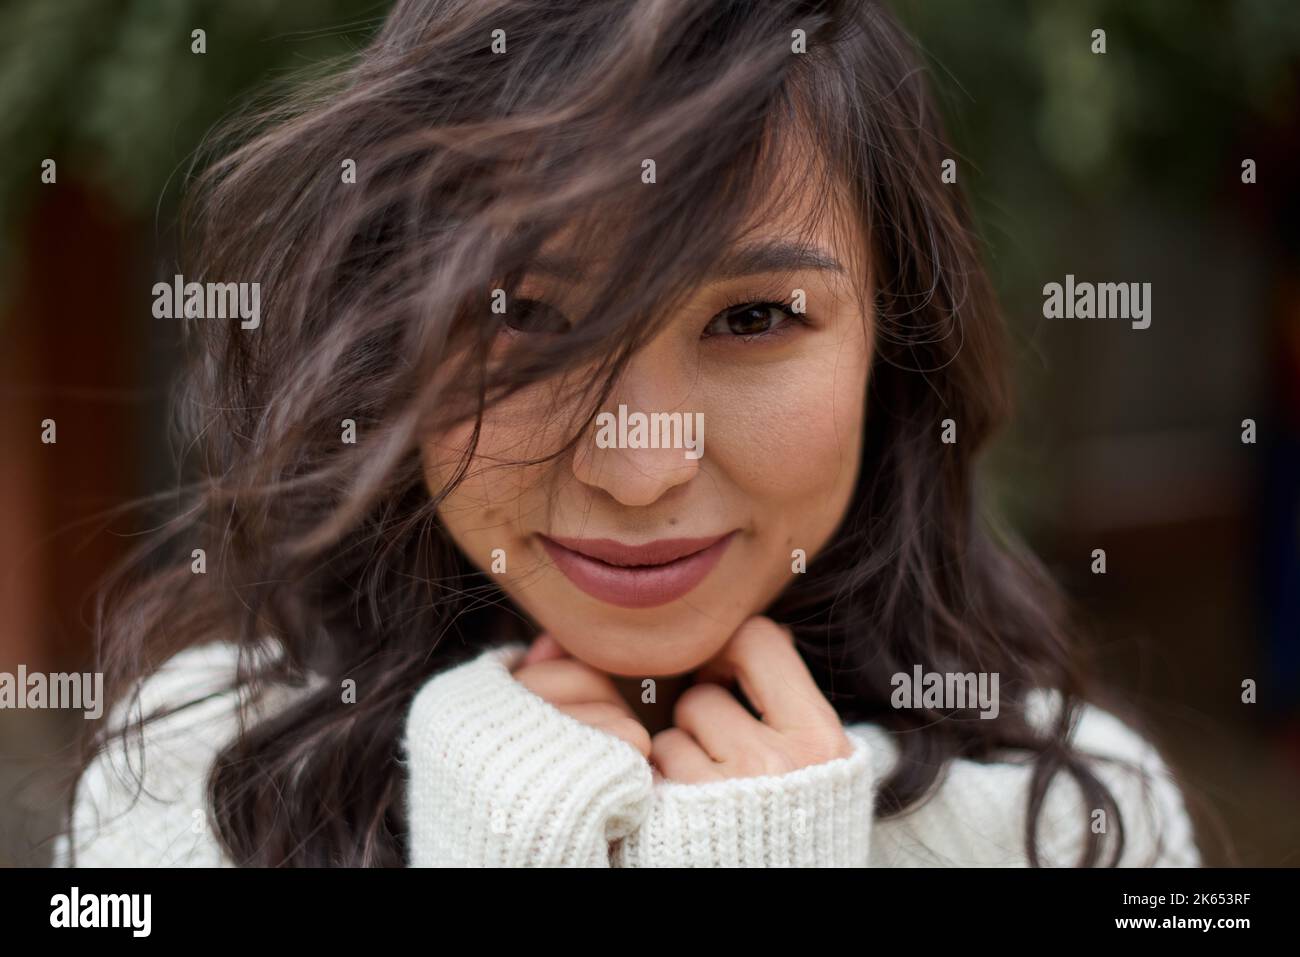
(798, 211)
(798, 216)
(804, 196)
(799, 187)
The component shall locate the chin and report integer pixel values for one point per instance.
(659, 645)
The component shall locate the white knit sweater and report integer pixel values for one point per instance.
(496, 776)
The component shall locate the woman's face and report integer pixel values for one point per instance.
(641, 560)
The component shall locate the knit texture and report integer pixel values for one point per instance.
(496, 776)
(527, 784)
(818, 816)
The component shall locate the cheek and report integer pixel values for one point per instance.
(494, 491)
(509, 486)
(791, 436)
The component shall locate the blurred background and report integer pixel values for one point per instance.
(1124, 166)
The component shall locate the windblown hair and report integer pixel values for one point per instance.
(375, 305)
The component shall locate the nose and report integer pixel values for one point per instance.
(646, 408)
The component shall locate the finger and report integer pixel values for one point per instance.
(612, 720)
(545, 648)
(765, 663)
(569, 681)
(717, 721)
(721, 669)
(679, 758)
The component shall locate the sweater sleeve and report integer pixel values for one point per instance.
(142, 801)
(977, 815)
(818, 816)
(496, 775)
(501, 778)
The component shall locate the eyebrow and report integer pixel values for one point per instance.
(765, 257)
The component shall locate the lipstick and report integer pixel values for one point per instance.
(636, 576)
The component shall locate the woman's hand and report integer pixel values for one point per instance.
(579, 691)
(715, 738)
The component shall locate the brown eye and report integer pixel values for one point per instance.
(535, 316)
(749, 319)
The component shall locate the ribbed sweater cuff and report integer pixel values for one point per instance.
(818, 816)
(500, 777)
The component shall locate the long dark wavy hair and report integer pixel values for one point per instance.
(375, 307)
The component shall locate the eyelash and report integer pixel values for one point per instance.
(785, 306)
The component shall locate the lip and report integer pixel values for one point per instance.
(636, 576)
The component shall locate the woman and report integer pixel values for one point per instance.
(444, 613)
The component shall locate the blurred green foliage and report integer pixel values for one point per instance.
(1178, 78)
(112, 91)
(1048, 133)
(1042, 125)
